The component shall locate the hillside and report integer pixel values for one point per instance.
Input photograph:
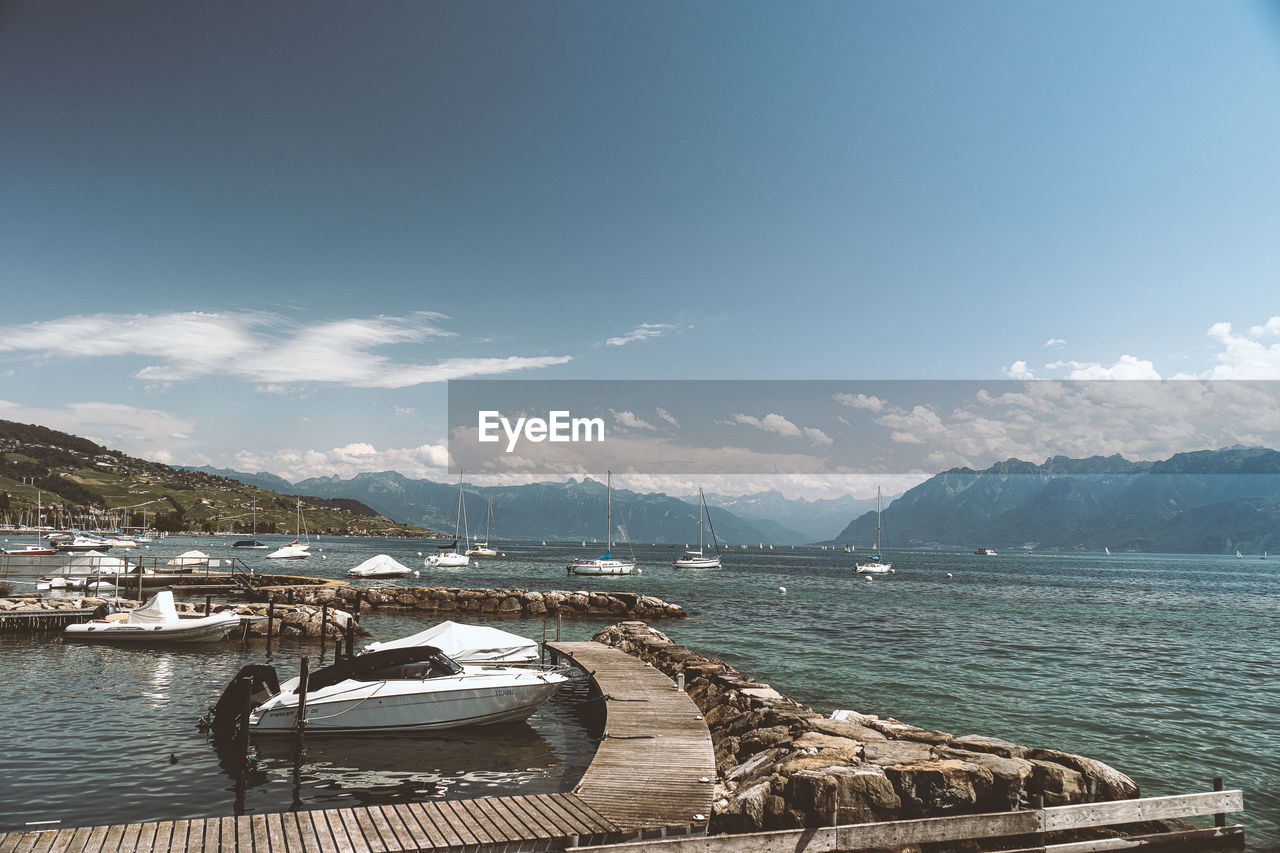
(82, 484)
(1203, 502)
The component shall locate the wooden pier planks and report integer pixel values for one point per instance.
(656, 767)
(647, 774)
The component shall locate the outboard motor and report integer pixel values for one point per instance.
(253, 685)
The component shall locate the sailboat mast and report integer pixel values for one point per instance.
(877, 520)
(608, 533)
(702, 500)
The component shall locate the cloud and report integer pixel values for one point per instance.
(146, 433)
(668, 417)
(630, 420)
(1018, 370)
(776, 423)
(859, 401)
(1128, 367)
(1245, 356)
(427, 461)
(1054, 342)
(260, 348)
(642, 332)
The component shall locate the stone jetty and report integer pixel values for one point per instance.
(514, 603)
(782, 765)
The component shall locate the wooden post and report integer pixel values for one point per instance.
(126, 566)
(303, 677)
(558, 620)
(208, 603)
(1037, 804)
(1219, 819)
(324, 625)
(271, 622)
(351, 638)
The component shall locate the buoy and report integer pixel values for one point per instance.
(419, 553)
(891, 571)
(868, 578)
(639, 571)
(324, 557)
(948, 574)
(782, 589)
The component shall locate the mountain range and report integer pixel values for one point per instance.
(1212, 501)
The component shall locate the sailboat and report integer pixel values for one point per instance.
(483, 549)
(874, 565)
(295, 550)
(606, 564)
(449, 558)
(36, 550)
(1239, 556)
(1107, 550)
(252, 543)
(697, 559)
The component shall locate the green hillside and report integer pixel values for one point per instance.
(82, 484)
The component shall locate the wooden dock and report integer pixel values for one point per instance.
(652, 776)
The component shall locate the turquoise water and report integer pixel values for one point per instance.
(1162, 666)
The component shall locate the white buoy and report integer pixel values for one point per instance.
(782, 589)
(948, 574)
(868, 578)
(417, 574)
(419, 553)
(323, 557)
(891, 571)
(639, 571)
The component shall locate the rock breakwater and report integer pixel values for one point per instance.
(513, 603)
(782, 765)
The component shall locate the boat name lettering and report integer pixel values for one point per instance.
(559, 425)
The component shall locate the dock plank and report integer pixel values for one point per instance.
(376, 831)
(404, 838)
(314, 832)
(339, 830)
(354, 834)
(289, 840)
(426, 826)
(429, 813)
(275, 833)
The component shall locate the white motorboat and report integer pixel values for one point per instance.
(297, 549)
(698, 559)
(157, 621)
(82, 543)
(417, 688)
(468, 644)
(484, 549)
(874, 565)
(449, 558)
(380, 566)
(605, 564)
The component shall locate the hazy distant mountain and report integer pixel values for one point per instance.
(262, 479)
(1208, 501)
(572, 510)
(791, 521)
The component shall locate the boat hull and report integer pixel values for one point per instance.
(363, 709)
(878, 569)
(446, 561)
(601, 567)
(697, 563)
(209, 629)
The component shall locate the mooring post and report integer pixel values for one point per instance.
(351, 638)
(1219, 819)
(126, 565)
(1037, 804)
(208, 603)
(301, 721)
(558, 620)
(544, 641)
(271, 621)
(324, 625)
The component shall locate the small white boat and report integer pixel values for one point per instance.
(697, 559)
(605, 564)
(449, 558)
(380, 566)
(157, 621)
(416, 688)
(984, 552)
(468, 644)
(297, 549)
(874, 565)
(189, 561)
(83, 543)
(483, 549)
(30, 551)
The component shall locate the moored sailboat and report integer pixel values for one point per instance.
(874, 564)
(606, 564)
(449, 558)
(698, 559)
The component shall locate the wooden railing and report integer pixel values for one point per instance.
(1031, 824)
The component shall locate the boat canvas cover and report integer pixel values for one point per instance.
(190, 558)
(361, 667)
(468, 644)
(381, 561)
(158, 610)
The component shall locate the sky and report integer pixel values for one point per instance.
(266, 236)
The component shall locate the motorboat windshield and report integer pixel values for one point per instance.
(414, 662)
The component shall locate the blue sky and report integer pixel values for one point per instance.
(265, 234)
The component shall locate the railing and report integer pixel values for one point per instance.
(1032, 824)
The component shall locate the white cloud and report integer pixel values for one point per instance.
(147, 433)
(1018, 370)
(860, 401)
(776, 423)
(642, 332)
(260, 348)
(427, 461)
(1055, 342)
(1244, 356)
(630, 420)
(668, 417)
(1128, 367)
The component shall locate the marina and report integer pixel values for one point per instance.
(1125, 706)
